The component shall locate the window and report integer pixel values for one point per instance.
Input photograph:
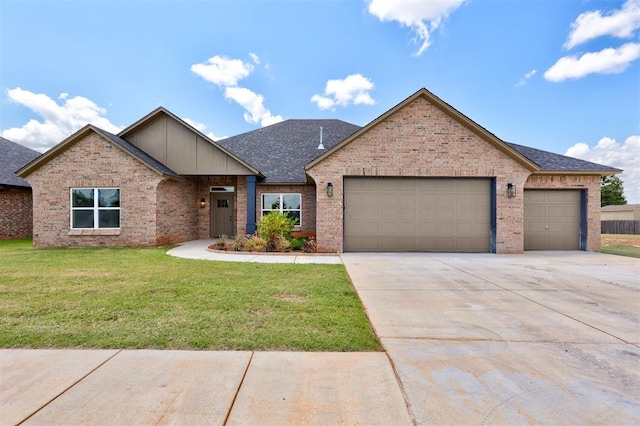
(289, 204)
(95, 208)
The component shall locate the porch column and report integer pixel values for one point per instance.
(251, 204)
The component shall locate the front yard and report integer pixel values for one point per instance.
(623, 245)
(142, 298)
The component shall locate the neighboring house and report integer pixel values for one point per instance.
(421, 177)
(15, 193)
(621, 212)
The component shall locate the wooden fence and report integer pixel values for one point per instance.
(631, 227)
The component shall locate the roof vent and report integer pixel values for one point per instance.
(321, 146)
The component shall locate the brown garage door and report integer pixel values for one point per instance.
(551, 220)
(417, 214)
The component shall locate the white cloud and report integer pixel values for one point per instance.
(254, 104)
(58, 121)
(254, 58)
(223, 71)
(196, 125)
(606, 61)
(526, 77)
(423, 17)
(354, 89)
(624, 156)
(618, 23)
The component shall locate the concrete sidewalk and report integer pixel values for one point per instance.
(197, 249)
(144, 387)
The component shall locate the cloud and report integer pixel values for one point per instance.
(624, 156)
(254, 104)
(58, 121)
(526, 77)
(223, 71)
(198, 126)
(226, 73)
(423, 17)
(606, 61)
(354, 89)
(618, 23)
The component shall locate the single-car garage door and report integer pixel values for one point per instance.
(551, 219)
(417, 214)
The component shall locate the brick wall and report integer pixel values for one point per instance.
(308, 193)
(420, 140)
(203, 185)
(16, 219)
(94, 162)
(591, 184)
(177, 212)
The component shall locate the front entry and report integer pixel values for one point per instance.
(222, 215)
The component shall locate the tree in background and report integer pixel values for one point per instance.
(611, 191)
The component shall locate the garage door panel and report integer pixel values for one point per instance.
(552, 219)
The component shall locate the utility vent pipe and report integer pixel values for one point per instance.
(321, 146)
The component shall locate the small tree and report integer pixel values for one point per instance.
(274, 224)
(611, 191)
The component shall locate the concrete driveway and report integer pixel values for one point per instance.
(539, 338)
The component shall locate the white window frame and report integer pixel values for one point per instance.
(96, 209)
(281, 210)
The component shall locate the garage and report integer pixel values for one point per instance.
(417, 214)
(552, 219)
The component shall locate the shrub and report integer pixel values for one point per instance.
(221, 244)
(297, 244)
(239, 242)
(310, 246)
(275, 223)
(255, 243)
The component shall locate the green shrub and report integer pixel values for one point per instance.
(275, 223)
(297, 244)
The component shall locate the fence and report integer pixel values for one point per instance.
(620, 227)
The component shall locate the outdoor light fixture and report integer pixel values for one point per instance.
(511, 190)
(202, 203)
(329, 189)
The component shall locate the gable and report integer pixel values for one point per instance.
(424, 126)
(182, 148)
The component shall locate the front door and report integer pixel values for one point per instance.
(222, 215)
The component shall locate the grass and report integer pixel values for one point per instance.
(622, 245)
(142, 298)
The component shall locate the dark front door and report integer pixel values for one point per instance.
(222, 215)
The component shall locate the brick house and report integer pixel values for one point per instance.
(15, 193)
(421, 177)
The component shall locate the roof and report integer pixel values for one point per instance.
(12, 157)
(142, 156)
(551, 162)
(451, 112)
(621, 207)
(282, 150)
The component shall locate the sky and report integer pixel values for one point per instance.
(557, 75)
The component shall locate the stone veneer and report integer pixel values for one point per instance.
(16, 213)
(420, 140)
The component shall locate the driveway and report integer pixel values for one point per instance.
(539, 338)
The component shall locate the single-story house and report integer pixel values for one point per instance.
(16, 208)
(621, 212)
(421, 177)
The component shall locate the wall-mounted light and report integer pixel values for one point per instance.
(511, 190)
(203, 203)
(329, 189)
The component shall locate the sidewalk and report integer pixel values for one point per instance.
(197, 249)
(145, 387)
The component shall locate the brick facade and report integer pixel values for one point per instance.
(420, 140)
(16, 213)
(589, 183)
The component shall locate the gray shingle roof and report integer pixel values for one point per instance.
(138, 153)
(12, 157)
(549, 161)
(281, 151)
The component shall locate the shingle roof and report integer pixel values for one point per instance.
(138, 153)
(281, 151)
(551, 162)
(12, 157)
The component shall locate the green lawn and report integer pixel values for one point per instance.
(142, 298)
(622, 245)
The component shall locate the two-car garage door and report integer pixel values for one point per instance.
(417, 214)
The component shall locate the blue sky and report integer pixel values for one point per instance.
(562, 76)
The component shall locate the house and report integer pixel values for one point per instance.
(421, 177)
(621, 212)
(15, 192)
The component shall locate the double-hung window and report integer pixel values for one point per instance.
(289, 204)
(95, 208)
